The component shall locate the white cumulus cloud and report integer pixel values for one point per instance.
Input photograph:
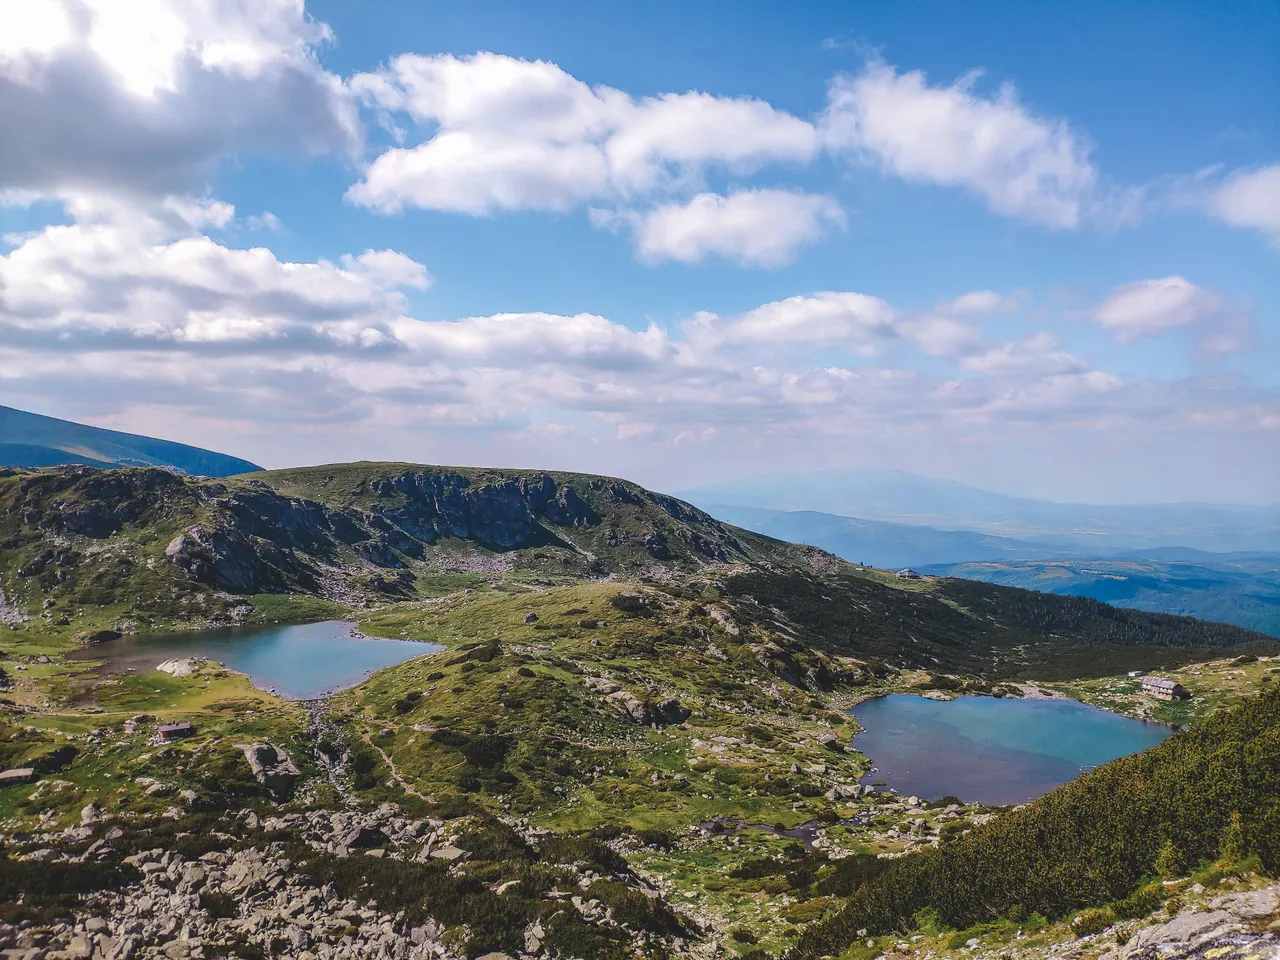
(1249, 198)
(1148, 308)
(1022, 165)
(510, 134)
(145, 96)
(762, 228)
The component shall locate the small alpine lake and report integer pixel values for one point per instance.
(991, 750)
(300, 661)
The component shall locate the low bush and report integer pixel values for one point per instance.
(1093, 920)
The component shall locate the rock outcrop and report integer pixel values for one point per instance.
(182, 666)
(357, 534)
(658, 713)
(1225, 928)
(250, 899)
(272, 768)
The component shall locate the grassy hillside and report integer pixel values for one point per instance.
(147, 548)
(550, 704)
(142, 548)
(31, 440)
(1242, 590)
(977, 629)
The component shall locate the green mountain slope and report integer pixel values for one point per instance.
(975, 628)
(31, 440)
(151, 547)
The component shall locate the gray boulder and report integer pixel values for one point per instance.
(272, 768)
(662, 713)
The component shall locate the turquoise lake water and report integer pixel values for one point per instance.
(991, 750)
(299, 661)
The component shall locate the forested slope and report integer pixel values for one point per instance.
(966, 626)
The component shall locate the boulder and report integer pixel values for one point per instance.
(182, 666)
(272, 768)
(629, 705)
(663, 713)
(448, 852)
(364, 837)
(670, 711)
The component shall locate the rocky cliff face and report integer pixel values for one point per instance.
(345, 531)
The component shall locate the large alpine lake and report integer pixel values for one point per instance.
(298, 661)
(991, 750)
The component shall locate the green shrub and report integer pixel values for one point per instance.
(1170, 862)
(218, 905)
(1092, 921)
(50, 891)
(631, 603)
(1139, 904)
(929, 922)
(1233, 848)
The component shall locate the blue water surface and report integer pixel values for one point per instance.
(991, 750)
(298, 661)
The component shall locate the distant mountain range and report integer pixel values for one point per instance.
(31, 440)
(1147, 557)
(1237, 588)
(896, 497)
(878, 543)
(1242, 589)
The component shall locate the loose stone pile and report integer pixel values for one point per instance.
(253, 901)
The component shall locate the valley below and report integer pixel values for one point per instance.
(413, 711)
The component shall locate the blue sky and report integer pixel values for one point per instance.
(1034, 249)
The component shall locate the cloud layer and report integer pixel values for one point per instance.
(152, 309)
(508, 134)
(761, 228)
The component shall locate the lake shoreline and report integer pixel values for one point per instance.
(293, 662)
(994, 751)
(1031, 691)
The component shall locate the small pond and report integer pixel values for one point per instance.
(298, 661)
(991, 750)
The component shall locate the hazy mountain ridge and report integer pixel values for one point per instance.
(898, 497)
(32, 440)
(1238, 588)
(880, 543)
